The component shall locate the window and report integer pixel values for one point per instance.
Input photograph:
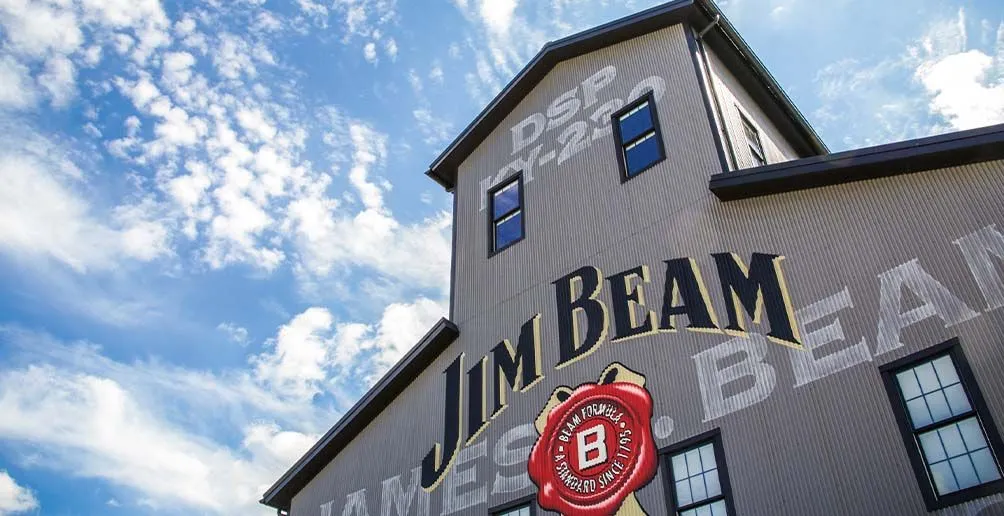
(753, 140)
(639, 141)
(523, 507)
(949, 435)
(505, 214)
(697, 480)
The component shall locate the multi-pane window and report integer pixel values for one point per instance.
(519, 510)
(949, 436)
(698, 481)
(753, 141)
(639, 141)
(506, 214)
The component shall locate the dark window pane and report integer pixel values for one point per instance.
(505, 200)
(508, 230)
(758, 158)
(636, 122)
(642, 154)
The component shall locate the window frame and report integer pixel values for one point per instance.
(529, 501)
(521, 208)
(714, 437)
(953, 349)
(649, 97)
(759, 155)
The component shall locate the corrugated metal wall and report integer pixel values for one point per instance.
(733, 97)
(827, 447)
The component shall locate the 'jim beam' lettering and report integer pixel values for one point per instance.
(583, 324)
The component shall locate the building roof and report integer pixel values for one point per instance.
(280, 495)
(723, 38)
(946, 150)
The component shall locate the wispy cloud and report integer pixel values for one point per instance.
(939, 82)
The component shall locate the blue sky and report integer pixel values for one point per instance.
(215, 232)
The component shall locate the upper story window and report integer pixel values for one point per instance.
(506, 225)
(698, 480)
(638, 138)
(948, 431)
(753, 141)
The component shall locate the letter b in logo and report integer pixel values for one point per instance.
(592, 446)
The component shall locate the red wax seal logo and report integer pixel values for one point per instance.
(595, 447)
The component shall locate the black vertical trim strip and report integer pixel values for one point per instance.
(953, 349)
(724, 134)
(706, 96)
(453, 256)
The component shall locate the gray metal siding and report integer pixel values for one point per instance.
(734, 99)
(581, 207)
(827, 447)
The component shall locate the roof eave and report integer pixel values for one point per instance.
(920, 155)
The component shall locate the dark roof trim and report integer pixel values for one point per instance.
(280, 495)
(947, 150)
(444, 169)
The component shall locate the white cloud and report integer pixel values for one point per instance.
(369, 52)
(95, 427)
(41, 216)
(15, 499)
(390, 46)
(385, 342)
(416, 255)
(497, 14)
(936, 85)
(963, 90)
(17, 90)
(435, 130)
(39, 29)
(178, 67)
(237, 334)
(415, 81)
(151, 428)
(436, 73)
(296, 364)
(59, 79)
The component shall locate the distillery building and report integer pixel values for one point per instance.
(668, 297)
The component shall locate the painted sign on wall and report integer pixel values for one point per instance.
(758, 290)
(733, 374)
(595, 447)
(582, 115)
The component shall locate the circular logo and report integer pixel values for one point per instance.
(595, 450)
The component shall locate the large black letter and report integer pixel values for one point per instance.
(684, 283)
(568, 307)
(623, 295)
(518, 368)
(762, 287)
(436, 464)
(477, 400)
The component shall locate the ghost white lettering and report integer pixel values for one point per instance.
(393, 496)
(712, 380)
(507, 455)
(454, 498)
(807, 366)
(978, 248)
(938, 301)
